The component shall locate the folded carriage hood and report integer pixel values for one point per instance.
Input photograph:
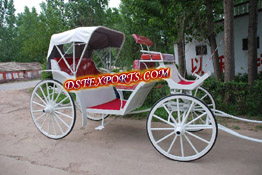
(97, 37)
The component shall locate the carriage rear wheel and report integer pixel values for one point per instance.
(170, 124)
(52, 109)
(204, 95)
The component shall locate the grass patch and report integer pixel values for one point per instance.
(235, 127)
(258, 127)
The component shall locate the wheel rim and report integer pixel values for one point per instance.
(203, 94)
(170, 123)
(52, 109)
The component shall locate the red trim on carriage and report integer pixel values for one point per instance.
(142, 40)
(132, 87)
(143, 65)
(111, 105)
(86, 67)
(185, 82)
(154, 56)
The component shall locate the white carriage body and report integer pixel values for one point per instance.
(84, 41)
(182, 113)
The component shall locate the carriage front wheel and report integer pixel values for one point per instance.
(52, 109)
(170, 124)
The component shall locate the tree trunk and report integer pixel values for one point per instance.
(252, 42)
(181, 48)
(229, 40)
(181, 57)
(212, 39)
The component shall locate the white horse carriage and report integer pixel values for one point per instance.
(181, 126)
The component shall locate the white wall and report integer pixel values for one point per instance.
(241, 56)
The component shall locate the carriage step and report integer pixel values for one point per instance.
(100, 127)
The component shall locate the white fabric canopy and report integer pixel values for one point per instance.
(97, 38)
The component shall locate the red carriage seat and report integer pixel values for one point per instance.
(142, 40)
(86, 67)
(155, 56)
(111, 105)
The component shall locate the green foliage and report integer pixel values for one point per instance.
(86, 12)
(27, 35)
(28, 40)
(160, 90)
(45, 75)
(237, 98)
(7, 30)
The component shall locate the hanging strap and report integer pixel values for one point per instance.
(210, 58)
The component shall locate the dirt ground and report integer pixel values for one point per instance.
(121, 148)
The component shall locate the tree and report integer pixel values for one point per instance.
(28, 40)
(86, 12)
(165, 22)
(212, 38)
(229, 40)
(7, 30)
(252, 41)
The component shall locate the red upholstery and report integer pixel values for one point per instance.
(142, 40)
(154, 57)
(141, 65)
(185, 82)
(112, 105)
(86, 67)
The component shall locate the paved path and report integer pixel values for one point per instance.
(18, 85)
(122, 148)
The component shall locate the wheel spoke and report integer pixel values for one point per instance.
(40, 110)
(210, 105)
(65, 107)
(181, 146)
(178, 111)
(63, 114)
(198, 127)
(53, 92)
(40, 98)
(53, 122)
(43, 93)
(62, 120)
(203, 97)
(163, 138)
(199, 138)
(38, 104)
(47, 89)
(62, 101)
(169, 114)
(40, 116)
(48, 125)
(171, 145)
(161, 129)
(196, 92)
(187, 114)
(58, 95)
(190, 143)
(200, 118)
(159, 118)
(43, 122)
(58, 124)
(195, 119)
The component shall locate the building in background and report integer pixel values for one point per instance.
(198, 54)
(11, 71)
